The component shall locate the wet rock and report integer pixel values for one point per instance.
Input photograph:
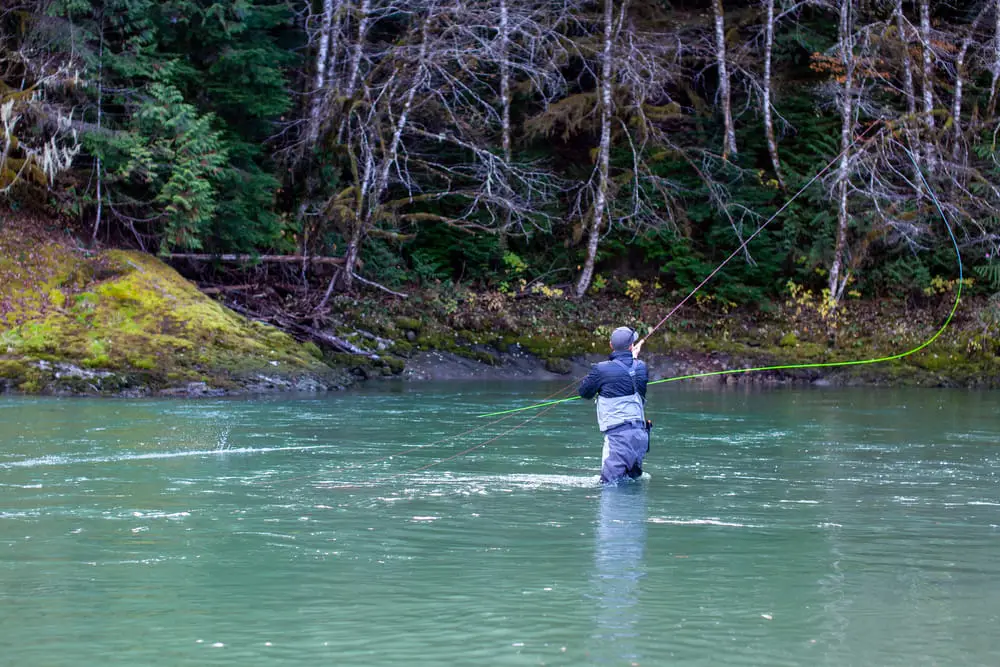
(559, 366)
(309, 384)
(193, 390)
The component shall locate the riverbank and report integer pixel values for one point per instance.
(455, 333)
(123, 323)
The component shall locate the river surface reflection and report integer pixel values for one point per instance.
(832, 527)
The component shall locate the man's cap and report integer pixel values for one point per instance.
(622, 338)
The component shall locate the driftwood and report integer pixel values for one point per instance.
(335, 341)
(311, 333)
(370, 336)
(217, 289)
(281, 259)
(374, 284)
(246, 312)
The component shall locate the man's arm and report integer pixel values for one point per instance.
(642, 372)
(591, 384)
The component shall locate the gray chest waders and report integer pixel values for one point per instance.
(638, 397)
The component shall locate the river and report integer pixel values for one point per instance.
(779, 527)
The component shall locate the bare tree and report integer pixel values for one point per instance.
(398, 94)
(839, 275)
(39, 138)
(772, 144)
(628, 110)
(995, 65)
(328, 32)
(430, 90)
(903, 30)
(928, 82)
(606, 108)
(729, 140)
(903, 33)
(960, 74)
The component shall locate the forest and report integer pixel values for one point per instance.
(550, 147)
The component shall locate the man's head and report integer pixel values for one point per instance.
(622, 339)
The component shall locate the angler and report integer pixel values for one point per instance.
(620, 387)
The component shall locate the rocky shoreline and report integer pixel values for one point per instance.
(67, 379)
(448, 366)
(75, 321)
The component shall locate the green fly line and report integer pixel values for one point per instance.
(829, 364)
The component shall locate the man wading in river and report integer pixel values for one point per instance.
(620, 387)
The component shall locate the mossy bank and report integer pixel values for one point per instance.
(453, 333)
(124, 323)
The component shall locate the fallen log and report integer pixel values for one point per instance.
(218, 289)
(246, 312)
(249, 259)
(374, 284)
(336, 341)
(304, 331)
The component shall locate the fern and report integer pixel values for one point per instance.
(990, 272)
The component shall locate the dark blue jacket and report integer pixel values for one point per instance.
(619, 399)
(610, 380)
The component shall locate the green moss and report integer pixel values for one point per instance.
(99, 361)
(402, 347)
(142, 363)
(409, 323)
(57, 298)
(789, 340)
(31, 386)
(14, 369)
(313, 350)
(129, 311)
(556, 346)
(394, 364)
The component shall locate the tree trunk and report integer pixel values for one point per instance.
(956, 110)
(604, 149)
(504, 39)
(504, 36)
(995, 68)
(928, 88)
(100, 112)
(319, 81)
(729, 142)
(364, 221)
(846, 43)
(772, 144)
(908, 90)
(351, 257)
(355, 66)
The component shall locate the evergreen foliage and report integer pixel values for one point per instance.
(268, 126)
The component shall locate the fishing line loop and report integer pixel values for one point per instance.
(831, 364)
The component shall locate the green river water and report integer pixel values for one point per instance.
(784, 527)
